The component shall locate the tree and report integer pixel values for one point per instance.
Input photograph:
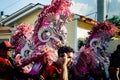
(80, 43)
(115, 20)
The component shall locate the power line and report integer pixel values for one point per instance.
(95, 16)
(91, 13)
(108, 8)
(10, 5)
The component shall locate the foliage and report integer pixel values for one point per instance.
(80, 43)
(115, 20)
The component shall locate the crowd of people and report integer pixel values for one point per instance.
(57, 71)
(62, 69)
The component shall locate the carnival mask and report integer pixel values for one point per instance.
(100, 45)
(52, 36)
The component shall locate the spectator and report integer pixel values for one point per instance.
(114, 67)
(59, 69)
(6, 67)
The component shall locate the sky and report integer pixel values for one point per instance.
(82, 7)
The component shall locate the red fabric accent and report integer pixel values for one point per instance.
(7, 44)
(53, 73)
(53, 69)
(2, 60)
(5, 69)
(3, 63)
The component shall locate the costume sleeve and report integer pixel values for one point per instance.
(81, 68)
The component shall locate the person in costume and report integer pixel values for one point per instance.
(93, 61)
(48, 32)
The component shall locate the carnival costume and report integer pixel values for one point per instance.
(32, 43)
(93, 61)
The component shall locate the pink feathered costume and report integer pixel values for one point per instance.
(93, 62)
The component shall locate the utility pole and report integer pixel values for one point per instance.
(1, 14)
(101, 10)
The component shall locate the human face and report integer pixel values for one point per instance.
(68, 60)
(9, 53)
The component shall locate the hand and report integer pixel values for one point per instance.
(65, 60)
(64, 67)
(41, 77)
(18, 60)
(26, 69)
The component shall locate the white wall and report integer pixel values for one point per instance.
(113, 45)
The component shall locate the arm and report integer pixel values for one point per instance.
(117, 73)
(65, 70)
(65, 73)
